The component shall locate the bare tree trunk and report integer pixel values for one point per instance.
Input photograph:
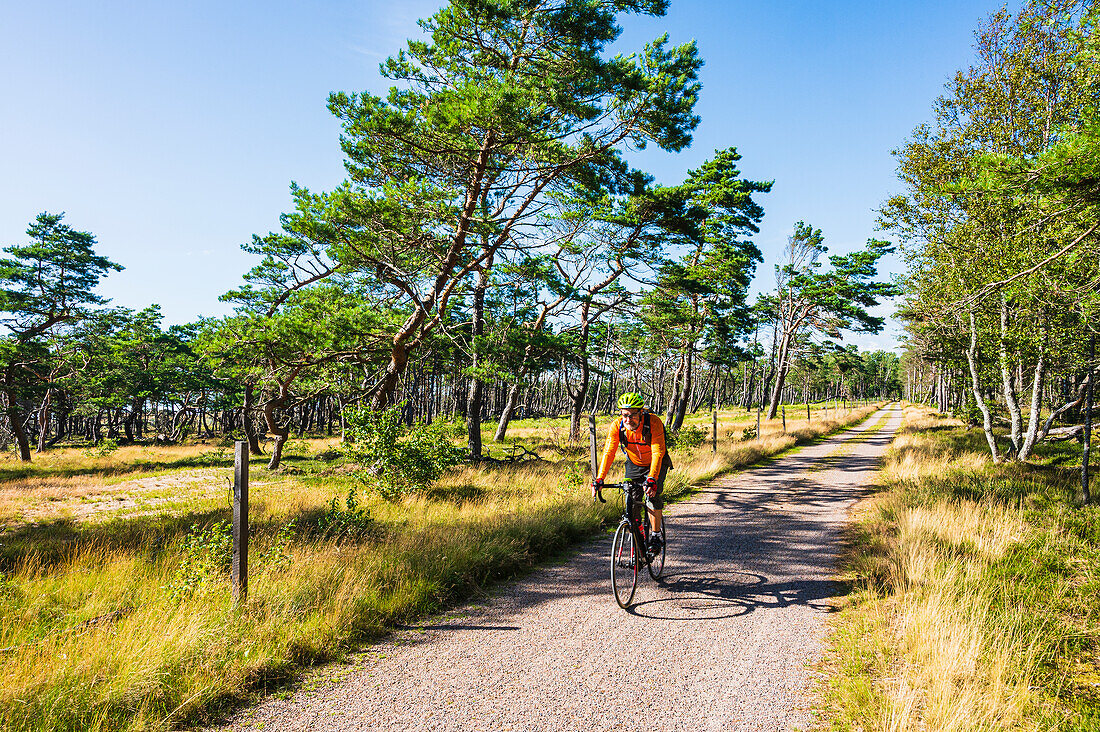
(581, 391)
(972, 361)
(674, 391)
(780, 375)
(44, 421)
(281, 432)
(17, 429)
(1008, 383)
(1031, 437)
(246, 422)
(685, 394)
(509, 408)
(474, 395)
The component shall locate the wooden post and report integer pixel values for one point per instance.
(1084, 495)
(807, 411)
(714, 433)
(238, 570)
(784, 418)
(592, 445)
(758, 421)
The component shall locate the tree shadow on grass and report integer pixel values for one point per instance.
(455, 494)
(50, 543)
(214, 458)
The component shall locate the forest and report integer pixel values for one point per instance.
(491, 254)
(998, 223)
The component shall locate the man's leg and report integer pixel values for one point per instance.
(658, 503)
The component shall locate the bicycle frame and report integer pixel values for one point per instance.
(639, 527)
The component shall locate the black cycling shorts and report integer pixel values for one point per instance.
(636, 472)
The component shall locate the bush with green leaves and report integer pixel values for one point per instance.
(689, 437)
(103, 448)
(277, 554)
(205, 555)
(396, 459)
(749, 433)
(350, 521)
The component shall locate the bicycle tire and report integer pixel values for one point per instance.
(657, 564)
(624, 566)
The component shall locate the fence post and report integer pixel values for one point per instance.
(1084, 495)
(592, 445)
(714, 433)
(238, 571)
(807, 410)
(758, 421)
(784, 418)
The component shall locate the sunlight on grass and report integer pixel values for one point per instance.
(958, 612)
(110, 622)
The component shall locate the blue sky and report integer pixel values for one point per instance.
(172, 130)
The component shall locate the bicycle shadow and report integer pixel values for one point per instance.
(717, 595)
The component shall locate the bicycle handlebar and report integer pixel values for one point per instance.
(618, 486)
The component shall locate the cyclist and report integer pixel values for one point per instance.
(641, 436)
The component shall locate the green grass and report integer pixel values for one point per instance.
(112, 624)
(974, 589)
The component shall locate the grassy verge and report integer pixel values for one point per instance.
(125, 622)
(973, 602)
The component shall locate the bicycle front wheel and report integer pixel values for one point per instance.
(624, 566)
(657, 564)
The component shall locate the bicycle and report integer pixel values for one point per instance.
(629, 550)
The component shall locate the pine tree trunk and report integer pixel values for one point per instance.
(15, 418)
(685, 394)
(780, 377)
(474, 395)
(44, 421)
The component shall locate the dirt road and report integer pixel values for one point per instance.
(724, 643)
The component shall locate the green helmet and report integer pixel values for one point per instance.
(631, 400)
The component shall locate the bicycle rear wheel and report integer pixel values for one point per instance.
(624, 566)
(657, 564)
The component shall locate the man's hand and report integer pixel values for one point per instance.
(597, 485)
(651, 487)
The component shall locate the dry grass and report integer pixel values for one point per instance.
(952, 621)
(96, 639)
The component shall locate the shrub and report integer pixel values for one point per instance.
(749, 433)
(394, 459)
(350, 522)
(277, 554)
(103, 448)
(206, 554)
(688, 437)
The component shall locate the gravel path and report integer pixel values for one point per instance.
(724, 643)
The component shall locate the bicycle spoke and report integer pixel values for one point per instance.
(624, 566)
(657, 564)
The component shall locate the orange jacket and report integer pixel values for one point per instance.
(637, 451)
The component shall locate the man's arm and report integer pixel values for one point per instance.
(657, 445)
(611, 446)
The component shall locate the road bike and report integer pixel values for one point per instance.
(629, 550)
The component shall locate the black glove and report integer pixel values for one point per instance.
(597, 484)
(651, 487)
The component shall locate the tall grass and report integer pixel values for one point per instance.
(973, 603)
(101, 627)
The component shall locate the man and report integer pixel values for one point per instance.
(641, 436)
